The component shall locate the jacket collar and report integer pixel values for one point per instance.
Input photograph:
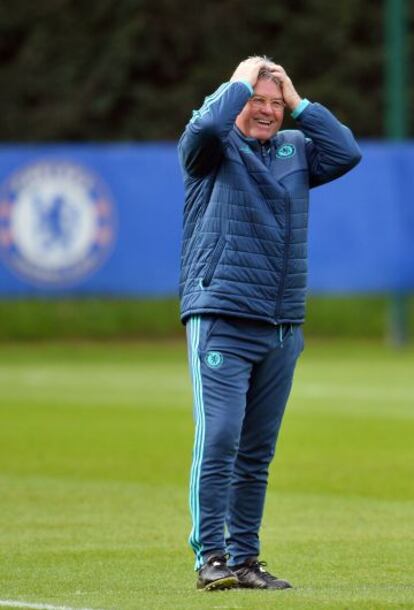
(253, 143)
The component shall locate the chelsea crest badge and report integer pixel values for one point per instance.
(57, 223)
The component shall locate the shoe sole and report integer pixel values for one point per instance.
(259, 588)
(222, 583)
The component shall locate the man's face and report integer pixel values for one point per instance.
(262, 116)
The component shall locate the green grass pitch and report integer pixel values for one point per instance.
(95, 449)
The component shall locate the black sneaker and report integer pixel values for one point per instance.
(252, 575)
(215, 574)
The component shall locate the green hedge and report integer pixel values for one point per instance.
(101, 319)
(97, 318)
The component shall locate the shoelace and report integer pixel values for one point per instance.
(258, 567)
(265, 573)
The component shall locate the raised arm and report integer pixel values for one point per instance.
(331, 148)
(201, 145)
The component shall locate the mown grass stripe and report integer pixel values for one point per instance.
(9, 603)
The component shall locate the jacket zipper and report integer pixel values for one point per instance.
(285, 260)
(265, 154)
(213, 262)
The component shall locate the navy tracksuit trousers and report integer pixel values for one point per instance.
(242, 373)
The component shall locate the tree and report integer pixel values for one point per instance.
(134, 69)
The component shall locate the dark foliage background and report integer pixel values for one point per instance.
(134, 69)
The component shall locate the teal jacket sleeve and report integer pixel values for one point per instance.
(331, 148)
(201, 146)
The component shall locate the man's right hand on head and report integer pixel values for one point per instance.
(248, 70)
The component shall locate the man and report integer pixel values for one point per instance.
(242, 288)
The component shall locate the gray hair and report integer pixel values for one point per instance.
(265, 72)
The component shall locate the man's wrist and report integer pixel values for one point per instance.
(299, 108)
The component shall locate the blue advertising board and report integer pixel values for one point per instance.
(361, 234)
(106, 220)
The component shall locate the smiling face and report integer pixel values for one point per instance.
(262, 116)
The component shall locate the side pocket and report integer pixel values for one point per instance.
(302, 339)
(213, 262)
(213, 324)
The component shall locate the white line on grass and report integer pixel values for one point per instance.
(9, 603)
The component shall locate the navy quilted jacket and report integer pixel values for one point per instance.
(244, 250)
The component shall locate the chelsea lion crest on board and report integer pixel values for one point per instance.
(57, 223)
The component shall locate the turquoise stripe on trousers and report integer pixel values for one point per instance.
(199, 439)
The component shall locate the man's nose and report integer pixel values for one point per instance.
(267, 108)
